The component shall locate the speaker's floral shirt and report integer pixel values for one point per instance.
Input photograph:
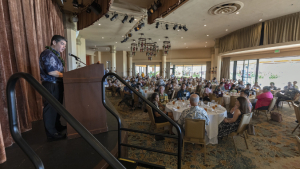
(49, 62)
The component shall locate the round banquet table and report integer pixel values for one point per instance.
(215, 118)
(177, 88)
(148, 94)
(226, 98)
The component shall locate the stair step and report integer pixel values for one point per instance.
(129, 164)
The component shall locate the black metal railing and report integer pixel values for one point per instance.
(179, 137)
(13, 122)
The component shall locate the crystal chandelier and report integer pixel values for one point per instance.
(155, 49)
(166, 45)
(142, 43)
(134, 48)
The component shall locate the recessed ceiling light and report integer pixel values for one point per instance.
(122, 36)
(204, 25)
(187, 47)
(181, 37)
(226, 29)
(178, 30)
(159, 39)
(128, 47)
(135, 19)
(99, 24)
(237, 12)
(116, 42)
(207, 35)
(102, 37)
(260, 20)
(205, 46)
(205, 42)
(184, 43)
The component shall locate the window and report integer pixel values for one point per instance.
(203, 71)
(157, 70)
(231, 69)
(190, 70)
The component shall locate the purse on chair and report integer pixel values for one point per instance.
(276, 116)
(251, 129)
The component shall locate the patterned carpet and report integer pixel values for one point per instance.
(273, 146)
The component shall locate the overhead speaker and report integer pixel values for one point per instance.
(96, 8)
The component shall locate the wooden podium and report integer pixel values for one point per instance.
(83, 98)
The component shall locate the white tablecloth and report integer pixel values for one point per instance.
(177, 88)
(148, 94)
(215, 118)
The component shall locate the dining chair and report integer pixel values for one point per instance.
(232, 101)
(190, 90)
(297, 112)
(153, 124)
(173, 94)
(194, 133)
(241, 131)
(298, 142)
(271, 106)
(136, 101)
(114, 91)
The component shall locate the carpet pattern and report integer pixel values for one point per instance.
(273, 146)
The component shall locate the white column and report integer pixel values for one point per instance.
(71, 48)
(124, 58)
(129, 65)
(163, 66)
(113, 58)
(98, 54)
(217, 61)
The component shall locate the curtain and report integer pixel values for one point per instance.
(208, 71)
(243, 38)
(282, 29)
(26, 28)
(225, 70)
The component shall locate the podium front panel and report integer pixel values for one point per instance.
(83, 98)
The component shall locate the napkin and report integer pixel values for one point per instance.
(174, 109)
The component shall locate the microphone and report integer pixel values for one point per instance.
(70, 54)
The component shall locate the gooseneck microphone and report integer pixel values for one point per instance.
(76, 57)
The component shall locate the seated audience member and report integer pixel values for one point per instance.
(214, 80)
(233, 87)
(127, 96)
(272, 86)
(241, 85)
(133, 84)
(245, 94)
(139, 87)
(152, 85)
(256, 86)
(195, 112)
(207, 88)
(116, 84)
(227, 85)
(264, 99)
(162, 94)
(169, 90)
(289, 86)
(248, 87)
(198, 88)
(109, 85)
(157, 117)
(229, 125)
(220, 87)
(295, 85)
(289, 93)
(183, 93)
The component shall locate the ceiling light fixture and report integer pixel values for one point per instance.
(102, 37)
(131, 19)
(181, 37)
(167, 26)
(175, 27)
(106, 15)
(204, 25)
(205, 42)
(207, 35)
(157, 24)
(237, 12)
(184, 28)
(125, 19)
(226, 29)
(99, 24)
(114, 17)
(142, 43)
(260, 20)
(166, 45)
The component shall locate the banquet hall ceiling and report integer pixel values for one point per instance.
(194, 14)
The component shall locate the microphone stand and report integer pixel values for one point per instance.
(78, 61)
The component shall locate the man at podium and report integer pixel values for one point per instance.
(51, 72)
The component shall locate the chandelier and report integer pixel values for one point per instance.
(142, 43)
(134, 48)
(155, 49)
(166, 45)
(150, 46)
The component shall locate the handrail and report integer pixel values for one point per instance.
(13, 122)
(147, 102)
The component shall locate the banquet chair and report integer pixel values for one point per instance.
(108, 90)
(194, 133)
(114, 91)
(136, 101)
(155, 125)
(291, 101)
(241, 131)
(298, 142)
(271, 106)
(122, 96)
(210, 95)
(297, 112)
(173, 94)
(190, 90)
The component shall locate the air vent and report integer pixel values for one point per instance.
(226, 8)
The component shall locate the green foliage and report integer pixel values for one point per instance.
(273, 76)
(151, 74)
